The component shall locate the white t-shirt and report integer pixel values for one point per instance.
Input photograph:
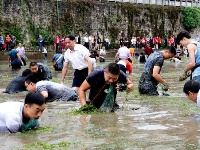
(121, 62)
(123, 52)
(198, 99)
(20, 50)
(77, 57)
(133, 40)
(86, 39)
(102, 52)
(11, 117)
(44, 50)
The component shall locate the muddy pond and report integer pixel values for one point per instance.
(143, 122)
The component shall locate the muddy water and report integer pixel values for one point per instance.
(142, 123)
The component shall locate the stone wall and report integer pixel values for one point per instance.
(61, 17)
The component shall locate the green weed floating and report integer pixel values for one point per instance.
(86, 109)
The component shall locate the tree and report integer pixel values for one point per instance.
(191, 18)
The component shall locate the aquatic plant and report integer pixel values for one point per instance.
(86, 109)
(42, 145)
(44, 129)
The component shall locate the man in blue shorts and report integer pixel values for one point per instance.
(22, 116)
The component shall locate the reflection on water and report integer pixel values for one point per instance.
(153, 127)
(149, 123)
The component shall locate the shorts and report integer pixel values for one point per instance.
(122, 68)
(79, 77)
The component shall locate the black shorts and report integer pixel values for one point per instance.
(79, 77)
(122, 68)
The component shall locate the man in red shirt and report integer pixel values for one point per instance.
(56, 43)
(8, 41)
(159, 42)
(148, 50)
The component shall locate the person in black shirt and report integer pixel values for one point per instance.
(41, 71)
(100, 82)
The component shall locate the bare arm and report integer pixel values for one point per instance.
(18, 56)
(81, 92)
(157, 76)
(64, 72)
(8, 59)
(129, 86)
(191, 51)
(116, 56)
(130, 56)
(130, 77)
(89, 64)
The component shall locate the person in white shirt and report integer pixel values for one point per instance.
(107, 43)
(44, 53)
(123, 52)
(22, 116)
(21, 52)
(102, 54)
(86, 40)
(78, 56)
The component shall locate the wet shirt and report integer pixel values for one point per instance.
(43, 73)
(59, 59)
(98, 85)
(13, 57)
(55, 91)
(16, 85)
(155, 59)
(147, 83)
(11, 119)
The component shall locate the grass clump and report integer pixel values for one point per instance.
(45, 129)
(86, 109)
(42, 145)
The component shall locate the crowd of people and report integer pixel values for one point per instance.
(103, 84)
(6, 42)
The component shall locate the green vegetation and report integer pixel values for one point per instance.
(191, 18)
(42, 145)
(45, 129)
(11, 29)
(78, 16)
(86, 109)
(35, 31)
